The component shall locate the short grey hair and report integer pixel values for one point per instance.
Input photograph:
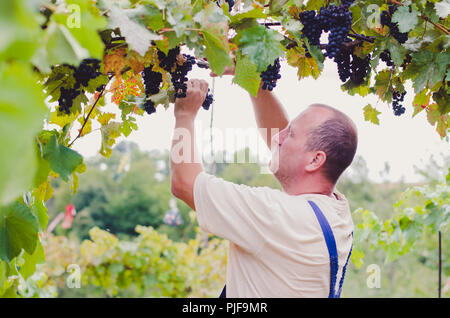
(338, 138)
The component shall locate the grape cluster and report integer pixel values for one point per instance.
(230, 4)
(87, 70)
(167, 62)
(396, 103)
(311, 28)
(152, 81)
(343, 62)
(385, 19)
(337, 20)
(385, 56)
(359, 69)
(271, 75)
(66, 97)
(179, 75)
(208, 101)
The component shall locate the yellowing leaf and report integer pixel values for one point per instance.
(371, 114)
(306, 66)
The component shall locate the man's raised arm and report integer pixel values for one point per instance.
(269, 113)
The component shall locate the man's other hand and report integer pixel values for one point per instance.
(195, 96)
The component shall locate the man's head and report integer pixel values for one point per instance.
(317, 146)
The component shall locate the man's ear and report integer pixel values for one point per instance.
(318, 159)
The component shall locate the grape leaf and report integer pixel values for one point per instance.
(406, 20)
(62, 159)
(421, 101)
(246, 75)
(276, 5)
(137, 36)
(18, 230)
(306, 66)
(22, 111)
(217, 52)
(427, 68)
(397, 52)
(109, 134)
(261, 45)
(29, 261)
(371, 114)
(442, 8)
(256, 13)
(40, 212)
(19, 30)
(383, 85)
(83, 21)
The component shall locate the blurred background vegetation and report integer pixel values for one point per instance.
(125, 244)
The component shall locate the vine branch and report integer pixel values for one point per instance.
(89, 114)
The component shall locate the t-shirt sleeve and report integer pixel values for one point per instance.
(239, 213)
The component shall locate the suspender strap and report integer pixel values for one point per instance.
(223, 294)
(344, 270)
(331, 245)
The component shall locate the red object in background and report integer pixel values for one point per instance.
(68, 216)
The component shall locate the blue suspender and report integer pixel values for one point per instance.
(331, 245)
(332, 251)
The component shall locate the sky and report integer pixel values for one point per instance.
(402, 141)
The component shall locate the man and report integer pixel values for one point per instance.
(280, 243)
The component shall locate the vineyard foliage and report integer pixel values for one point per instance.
(61, 60)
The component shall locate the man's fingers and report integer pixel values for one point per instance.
(204, 85)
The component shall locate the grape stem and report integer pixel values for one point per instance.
(90, 112)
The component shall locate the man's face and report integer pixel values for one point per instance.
(289, 154)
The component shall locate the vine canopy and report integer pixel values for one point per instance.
(62, 61)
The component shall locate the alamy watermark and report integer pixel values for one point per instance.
(226, 146)
(374, 278)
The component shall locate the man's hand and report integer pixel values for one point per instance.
(195, 96)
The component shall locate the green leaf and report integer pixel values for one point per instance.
(90, 22)
(246, 75)
(276, 5)
(427, 68)
(383, 85)
(154, 18)
(62, 159)
(109, 134)
(397, 51)
(31, 260)
(442, 8)
(217, 52)
(39, 210)
(59, 46)
(18, 230)
(421, 101)
(19, 30)
(127, 127)
(137, 36)
(371, 114)
(261, 45)
(406, 20)
(22, 111)
(256, 13)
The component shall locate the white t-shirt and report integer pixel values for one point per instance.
(277, 248)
